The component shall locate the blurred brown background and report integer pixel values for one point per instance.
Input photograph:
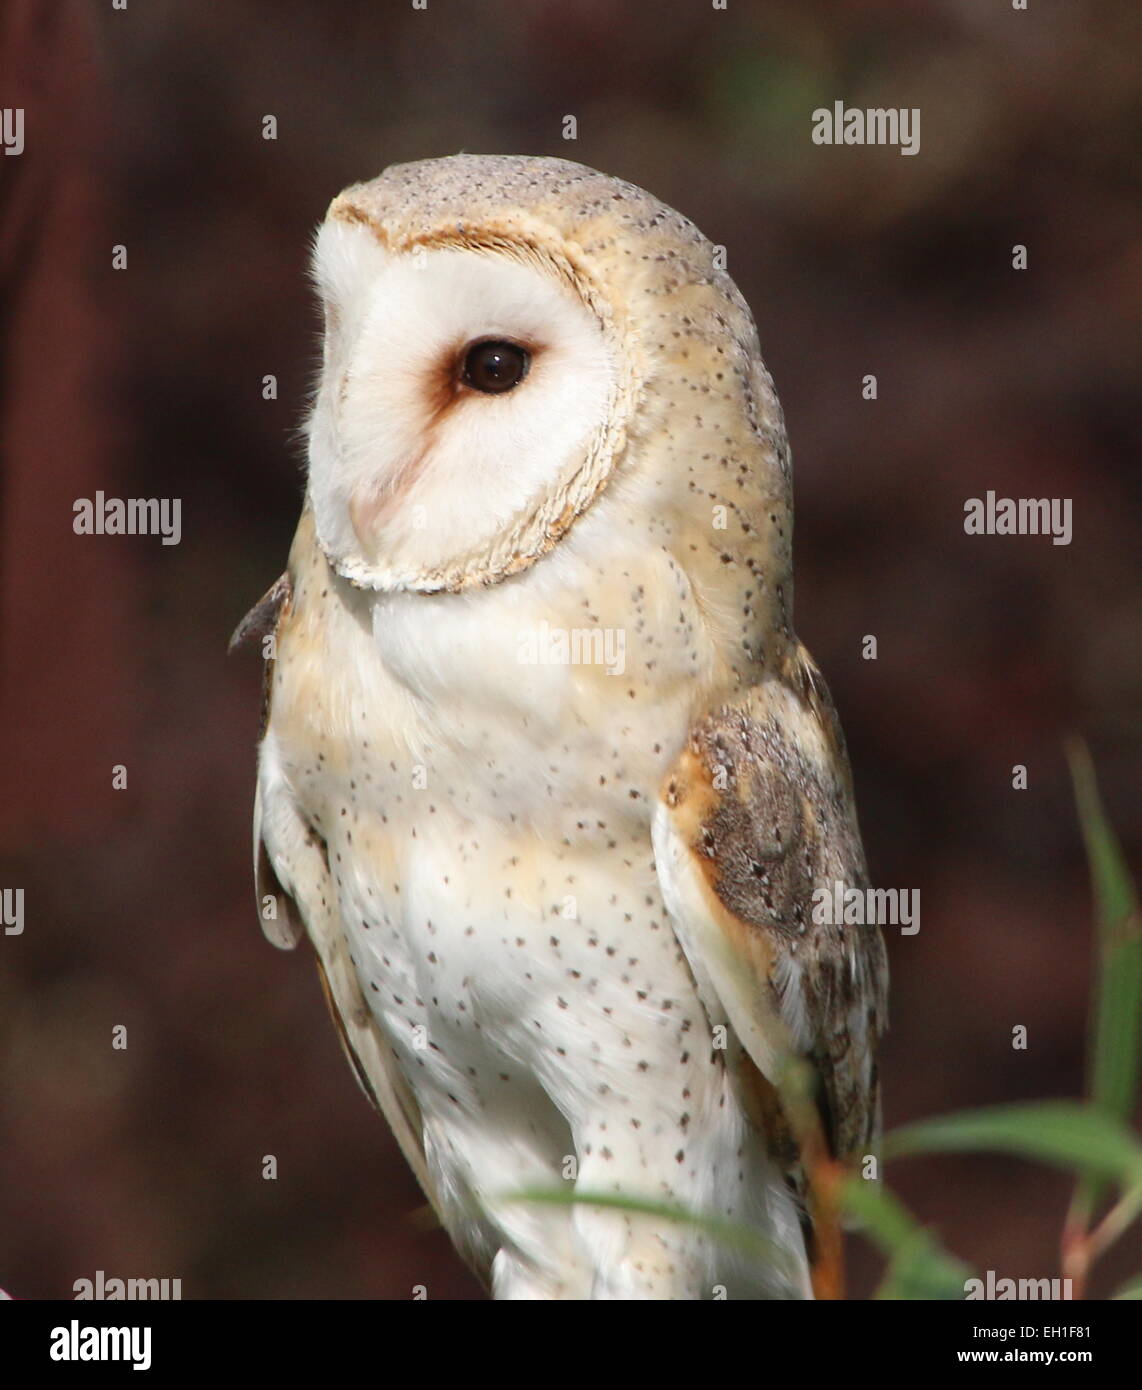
(144, 128)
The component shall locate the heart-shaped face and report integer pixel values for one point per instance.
(466, 391)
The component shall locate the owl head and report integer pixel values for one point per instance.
(509, 341)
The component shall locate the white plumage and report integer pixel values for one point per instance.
(467, 836)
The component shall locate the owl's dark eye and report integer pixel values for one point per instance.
(495, 367)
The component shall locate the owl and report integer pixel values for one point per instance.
(545, 775)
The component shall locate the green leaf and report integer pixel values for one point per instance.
(885, 1219)
(924, 1272)
(1116, 1013)
(918, 1267)
(1067, 1133)
(736, 1235)
(1133, 1289)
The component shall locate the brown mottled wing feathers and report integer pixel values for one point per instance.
(758, 814)
(262, 619)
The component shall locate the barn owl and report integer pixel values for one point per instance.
(545, 775)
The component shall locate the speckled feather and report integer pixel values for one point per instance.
(532, 899)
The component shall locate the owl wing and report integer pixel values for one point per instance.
(296, 896)
(756, 815)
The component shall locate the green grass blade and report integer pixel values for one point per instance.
(918, 1268)
(735, 1235)
(1116, 1014)
(1069, 1134)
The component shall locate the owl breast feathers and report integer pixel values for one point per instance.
(545, 776)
